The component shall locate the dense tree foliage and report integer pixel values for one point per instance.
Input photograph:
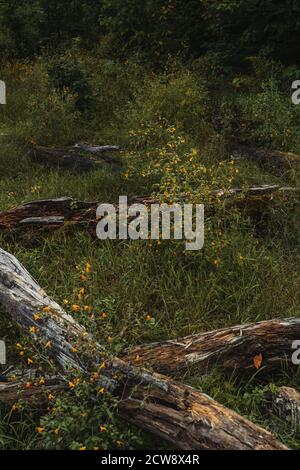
(153, 28)
(28, 25)
(234, 27)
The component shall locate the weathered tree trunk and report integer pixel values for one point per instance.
(285, 403)
(260, 191)
(230, 348)
(271, 157)
(52, 214)
(29, 384)
(71, 159)
(97, 149)
(177, 413)
(47, 216)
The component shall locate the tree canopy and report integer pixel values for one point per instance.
(154, 29)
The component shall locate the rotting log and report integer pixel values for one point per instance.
(269, 157)
(285, 403)
(53, 214)
(48, 215)
(260, 191)
(176, 426)
(74, 160)
(232, 348)
(29, 384)
(257, 202)
(81, 156)
(179, 414)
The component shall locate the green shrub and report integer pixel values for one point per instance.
(84, 420)
(177, 97)
(269, 118)
(34, 110)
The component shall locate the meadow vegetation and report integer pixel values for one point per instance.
(175, 121)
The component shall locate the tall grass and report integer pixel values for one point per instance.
(149, 291)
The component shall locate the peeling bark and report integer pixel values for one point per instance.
(96, 149)
(177, 413)
(230, 348)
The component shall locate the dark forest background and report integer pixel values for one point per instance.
(154, 29)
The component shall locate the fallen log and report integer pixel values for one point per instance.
(260, 191)
(52, 214)
(73, 159)
(29, 384)
(269, 157)
(285, 403)
(232, 348)
(48, 215)
(96, 149)
(179, 414)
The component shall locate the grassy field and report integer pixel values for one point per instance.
(174, 129)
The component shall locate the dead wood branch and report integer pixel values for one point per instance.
(96, 149)
(285, 403)
(184, 417)
(229, 348)
(29, 384)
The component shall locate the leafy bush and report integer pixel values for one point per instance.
(173, 168)
(177, 97)
(84, 420)
(269, 118)
(34, 109)
(67, 72)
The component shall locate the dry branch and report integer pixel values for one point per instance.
(48, 215)
(229, 348)
(177, 413)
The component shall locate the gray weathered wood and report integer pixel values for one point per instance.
(181, 415)
(96, 149)
(27, 384)
(286, 404)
